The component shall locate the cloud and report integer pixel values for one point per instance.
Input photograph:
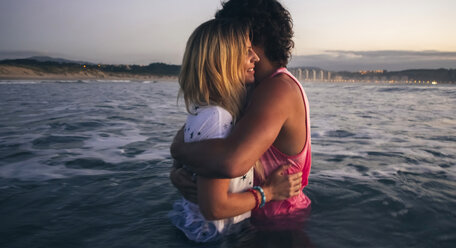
(392, 60)
(397, 53)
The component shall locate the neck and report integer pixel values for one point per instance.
(267, 69)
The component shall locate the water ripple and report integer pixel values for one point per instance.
(83, 164)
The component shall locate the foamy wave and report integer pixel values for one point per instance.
(386, 172)
(19, 82)
(34, 171)
(112, 80)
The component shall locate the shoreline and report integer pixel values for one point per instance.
(21, 73)
(66, 78)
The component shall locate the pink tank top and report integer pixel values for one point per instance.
(273, 158)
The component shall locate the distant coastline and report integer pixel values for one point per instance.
(8, 72)
(46, 68)
(411, 76)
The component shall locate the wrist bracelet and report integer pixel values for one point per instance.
(263, 197)
(257, 202)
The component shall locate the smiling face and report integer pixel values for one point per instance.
(249, 65)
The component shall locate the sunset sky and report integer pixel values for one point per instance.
(332, 34)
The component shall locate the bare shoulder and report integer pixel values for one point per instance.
(280, 88)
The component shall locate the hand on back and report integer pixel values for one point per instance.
(282, 186)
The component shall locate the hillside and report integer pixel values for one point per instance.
(50, 68)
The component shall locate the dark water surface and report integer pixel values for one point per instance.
(87, 164)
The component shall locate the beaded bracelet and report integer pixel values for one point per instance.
(263, 197)
(257, 202)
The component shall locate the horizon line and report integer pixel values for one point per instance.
(330, 60)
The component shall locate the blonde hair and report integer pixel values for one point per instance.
(212, 71)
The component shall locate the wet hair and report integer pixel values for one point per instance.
(212, 71)
(271, 25)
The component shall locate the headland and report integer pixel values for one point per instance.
(60, 69)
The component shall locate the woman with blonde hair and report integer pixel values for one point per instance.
(217, 63)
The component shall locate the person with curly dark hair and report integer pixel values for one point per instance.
(272, 26)
(275, 127)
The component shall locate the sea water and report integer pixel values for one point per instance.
(86, 164)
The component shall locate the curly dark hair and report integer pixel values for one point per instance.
(271, 25)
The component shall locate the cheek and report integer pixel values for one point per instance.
(247, 63)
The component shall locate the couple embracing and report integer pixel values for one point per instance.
(242, 153)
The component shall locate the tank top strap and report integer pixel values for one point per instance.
(280, 70)
(303, 94)
(285, 71)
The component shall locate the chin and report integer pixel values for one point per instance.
(250, 80)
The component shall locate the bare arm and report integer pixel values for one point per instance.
(184, 181)
(270, 107)
(216, 202)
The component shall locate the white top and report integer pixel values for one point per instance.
(209, 122)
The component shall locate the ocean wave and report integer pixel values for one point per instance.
(58, 142)
(33, 170)
(362, 172)
(19, 82)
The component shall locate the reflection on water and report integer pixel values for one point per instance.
(86, 164)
